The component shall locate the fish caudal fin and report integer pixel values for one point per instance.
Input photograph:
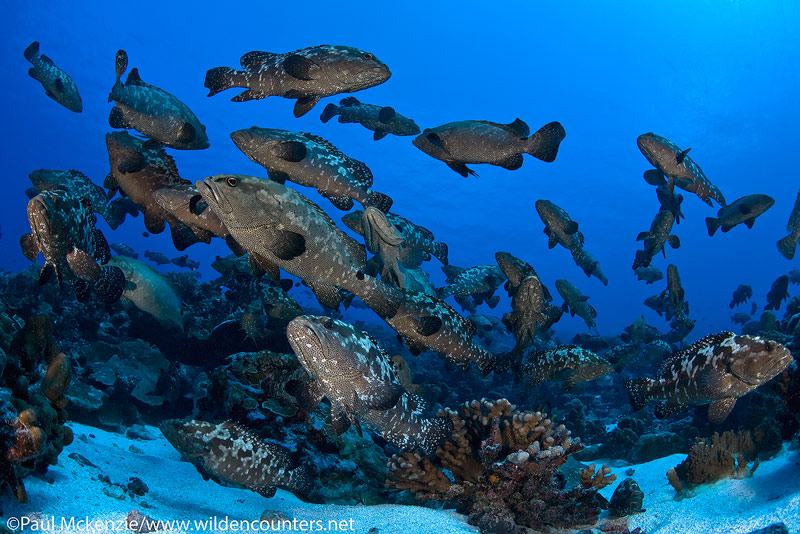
(712, 224)
(32, 51)
(787, 246)
(301, 480)
(638, 392)
(544, 143)
(110, 284)
(378, 201)
(440, 251)
(330, 111)
(220, 78)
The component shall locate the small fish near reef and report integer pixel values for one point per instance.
(228, 452)
(576, 303)
(305, 75)
(359, 380)
(57, 84)
(568, 364)
(185, 262)
(382, 120)
(156, 257)
(472, 141)
(311, 161)
(63, 231)
(787, 245)
(680, 170)
(153, 112)
(715, 370)
(742, 211)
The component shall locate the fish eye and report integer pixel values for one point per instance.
(367, 56)
(232, 181)
(327, 323)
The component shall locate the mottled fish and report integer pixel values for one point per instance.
(480, 282)
(124, 250)
(228, 452)
(384, 240)
(741, 294)
(670, 201)
(309, 160)
(576, 303)
(156, 257)
(149, 291)
(787, 245)
(675, 292)
(382, 120)
(649, 274)
(185, 262)
(655, 239)
(778, 292)
(153, 112)
(715, 370)
(590, 265)
(63, 231)
(559, 227)
(79, 185)
(306, 75)
(471, 141)
(567, 364)
(678, 167)
(742, 211)
(359, 380)
(57, 84)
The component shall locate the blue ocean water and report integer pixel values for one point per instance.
(717, 76)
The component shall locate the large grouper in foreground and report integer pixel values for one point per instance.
(715, 370)
(306, 75)
(471, 141)
(153, 112)
(357, 377)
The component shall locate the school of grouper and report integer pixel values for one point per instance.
(280, 229)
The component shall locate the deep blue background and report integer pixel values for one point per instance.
(718, 76)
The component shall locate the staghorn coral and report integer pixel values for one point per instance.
(709, 460)
(503, 467)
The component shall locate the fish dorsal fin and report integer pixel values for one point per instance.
(518, 128)
(349, 101)
(256, 59)
(361, 173)
(46, 59)
(134, 78)
(169, 161)
(77, 174)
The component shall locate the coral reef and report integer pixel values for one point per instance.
(504, 470)
(709, 460)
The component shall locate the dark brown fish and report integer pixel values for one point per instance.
(742, 211)
(471, 141)
(306, 75)
(382, 120)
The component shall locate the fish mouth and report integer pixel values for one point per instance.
(208, 190)
(303, 334)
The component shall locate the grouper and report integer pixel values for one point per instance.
(57, 84)
(359, 380)
(715, 370)
(305, 75)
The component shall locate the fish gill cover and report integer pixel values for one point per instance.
(406, 172)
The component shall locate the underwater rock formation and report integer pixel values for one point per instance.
(504, 470)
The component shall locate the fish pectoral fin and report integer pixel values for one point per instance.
(718, 410)
(380, 396)
(654, 177)
(682, 155)
(299, 67)
(59, 85)
(427, 326)
(379, 134)
(116, 119)
(134, 163)
(286, 244)
(552, 241)
(277, 176)
(30, 247)
(309, 395)
(327, 295)
(386, 114)
(292, 151)
(266, 491)
(260, 265)
(83, 265)
(512, 163)
(153, 223)
(643, 235)
(750, 222)
(674, 241)
(186, 133)
(256, 59)
(339, 420)
(304, 105)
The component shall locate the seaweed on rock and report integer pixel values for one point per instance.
(503, 467)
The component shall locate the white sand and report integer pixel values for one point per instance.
(177, 492)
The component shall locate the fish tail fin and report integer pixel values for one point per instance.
(436, 432)
(330, 111)
(110, 284)
(220, 78)
(787, 246)
(544, 143)
(114, 214)
(440, 251)
(378, 201)
(32, 51)
(712, 224)
(638, 392)
(640, 260)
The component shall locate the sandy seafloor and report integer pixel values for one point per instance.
(177, 492)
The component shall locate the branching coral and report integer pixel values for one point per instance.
(504, 470)
(724, 455)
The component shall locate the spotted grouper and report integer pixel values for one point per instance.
(567, 364)
(57, 84)
(359, 380)
(715, 370)
(228, 452)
